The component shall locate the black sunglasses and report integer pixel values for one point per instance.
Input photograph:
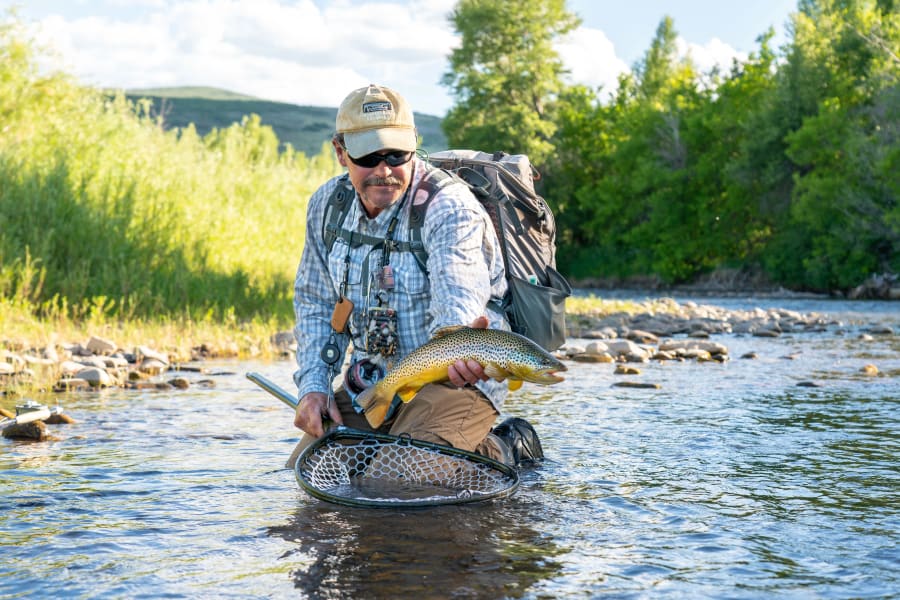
(393, 159)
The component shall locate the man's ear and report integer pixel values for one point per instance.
(339, 152)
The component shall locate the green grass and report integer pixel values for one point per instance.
(305, 128)
(105, 212)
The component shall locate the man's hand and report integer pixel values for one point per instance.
(468, 371)
(310, 410)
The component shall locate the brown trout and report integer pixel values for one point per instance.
(503, 354)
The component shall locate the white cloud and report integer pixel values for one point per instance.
(591, 59)
(289, 52)
(714, 53)
(298, 52)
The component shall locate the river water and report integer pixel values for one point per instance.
(731, 480)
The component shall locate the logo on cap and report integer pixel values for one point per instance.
(371, 107)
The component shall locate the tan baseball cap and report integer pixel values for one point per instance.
(376, 118)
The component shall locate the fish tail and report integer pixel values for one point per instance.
(374, 405)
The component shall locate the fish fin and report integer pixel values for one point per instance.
(376, 414)
(494, 372)
(441, 332)
(514, 384)
(366, 398)
(408, 393)
(373, 405)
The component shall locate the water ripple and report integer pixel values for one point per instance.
(729, 481)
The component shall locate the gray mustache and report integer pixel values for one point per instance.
(382, 181)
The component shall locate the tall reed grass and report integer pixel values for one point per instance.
(106, 216)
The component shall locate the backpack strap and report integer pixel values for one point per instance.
(432, 182)
(336, 210)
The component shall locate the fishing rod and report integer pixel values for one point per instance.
(273, 389)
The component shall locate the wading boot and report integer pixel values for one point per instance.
(522, 440)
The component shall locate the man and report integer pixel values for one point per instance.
(363, 285)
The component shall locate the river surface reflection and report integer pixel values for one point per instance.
(731, 480)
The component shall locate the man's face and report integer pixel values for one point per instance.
(379, 186)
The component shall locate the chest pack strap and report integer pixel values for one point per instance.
(338, 207)
(339, 204)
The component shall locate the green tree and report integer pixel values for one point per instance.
(630, 161)
(506, 76)
(843, 214)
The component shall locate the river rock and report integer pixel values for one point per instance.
(569, 351)
(116, 361)
(665, 355)
(35, 430)
(95, 377)
(180, 382)
(99, 345)
(140, 385)
(70, 384)
(881, 330)
(707, 346)
(603, 333)
(869, 369)
(152, 366)
(593, 358)
(596, 348)
(627, 348)
(637, 384)
(143, 352)
(92, 361)
(74, 350)
(68, 368)
(59, 419)
(625, 370)
(640, 336)
(698, 354)
(766, 333)
(877, 285)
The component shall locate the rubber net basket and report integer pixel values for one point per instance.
(360, 468)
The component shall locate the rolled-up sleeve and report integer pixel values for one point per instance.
(464, 259)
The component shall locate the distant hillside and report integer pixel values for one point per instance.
(304, 127)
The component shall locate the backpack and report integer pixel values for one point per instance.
(534, 303)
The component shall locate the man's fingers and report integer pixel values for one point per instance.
(454, 375)
(309, 414)
(334, 414)
(480, 323)
(463, 372)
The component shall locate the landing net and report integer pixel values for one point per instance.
(360, 468)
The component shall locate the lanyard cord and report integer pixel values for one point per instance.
(386, 245)
(389, 238)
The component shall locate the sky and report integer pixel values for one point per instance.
(314, 52)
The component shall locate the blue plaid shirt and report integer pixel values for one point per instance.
(465, 269)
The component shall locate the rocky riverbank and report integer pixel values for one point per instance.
(659, 329)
